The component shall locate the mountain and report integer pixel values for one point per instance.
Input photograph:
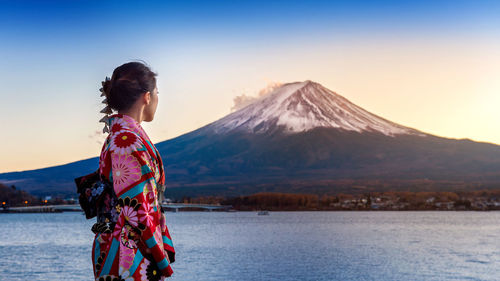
(302, 106)
(54, 181)
(302, 137)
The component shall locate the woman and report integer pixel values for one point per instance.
(132, 241)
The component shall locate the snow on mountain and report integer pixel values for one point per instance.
(302, 106)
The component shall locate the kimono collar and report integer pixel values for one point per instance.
(118, 122)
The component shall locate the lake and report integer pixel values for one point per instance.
(281, 246)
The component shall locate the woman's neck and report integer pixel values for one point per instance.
(136, 114)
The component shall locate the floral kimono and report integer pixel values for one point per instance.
(133, 243)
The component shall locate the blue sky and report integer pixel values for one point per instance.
(431, 65)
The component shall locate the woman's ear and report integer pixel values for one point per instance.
(147, 97)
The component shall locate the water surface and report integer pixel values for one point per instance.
(281, 246)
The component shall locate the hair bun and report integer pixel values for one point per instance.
(127, 83)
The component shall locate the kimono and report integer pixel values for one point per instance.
(137, 244)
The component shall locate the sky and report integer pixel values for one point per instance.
(430, 65)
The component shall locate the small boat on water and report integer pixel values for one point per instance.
(263, 212)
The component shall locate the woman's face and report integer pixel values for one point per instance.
(150, 110)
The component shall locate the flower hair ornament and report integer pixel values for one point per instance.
(107, 110)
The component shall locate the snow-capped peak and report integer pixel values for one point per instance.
(301, 106)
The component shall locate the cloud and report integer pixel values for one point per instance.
(244, 100)
(98, 136)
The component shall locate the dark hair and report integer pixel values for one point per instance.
(127, 83)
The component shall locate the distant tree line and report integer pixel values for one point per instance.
(300, 201)
(12, 197)
(274, 201)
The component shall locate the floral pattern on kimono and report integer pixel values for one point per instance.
(140, 246)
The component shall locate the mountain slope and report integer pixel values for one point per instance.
(302, 137)
(56, 180)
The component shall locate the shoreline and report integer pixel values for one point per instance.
(256, 211)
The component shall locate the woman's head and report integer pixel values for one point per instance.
(132, 88)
